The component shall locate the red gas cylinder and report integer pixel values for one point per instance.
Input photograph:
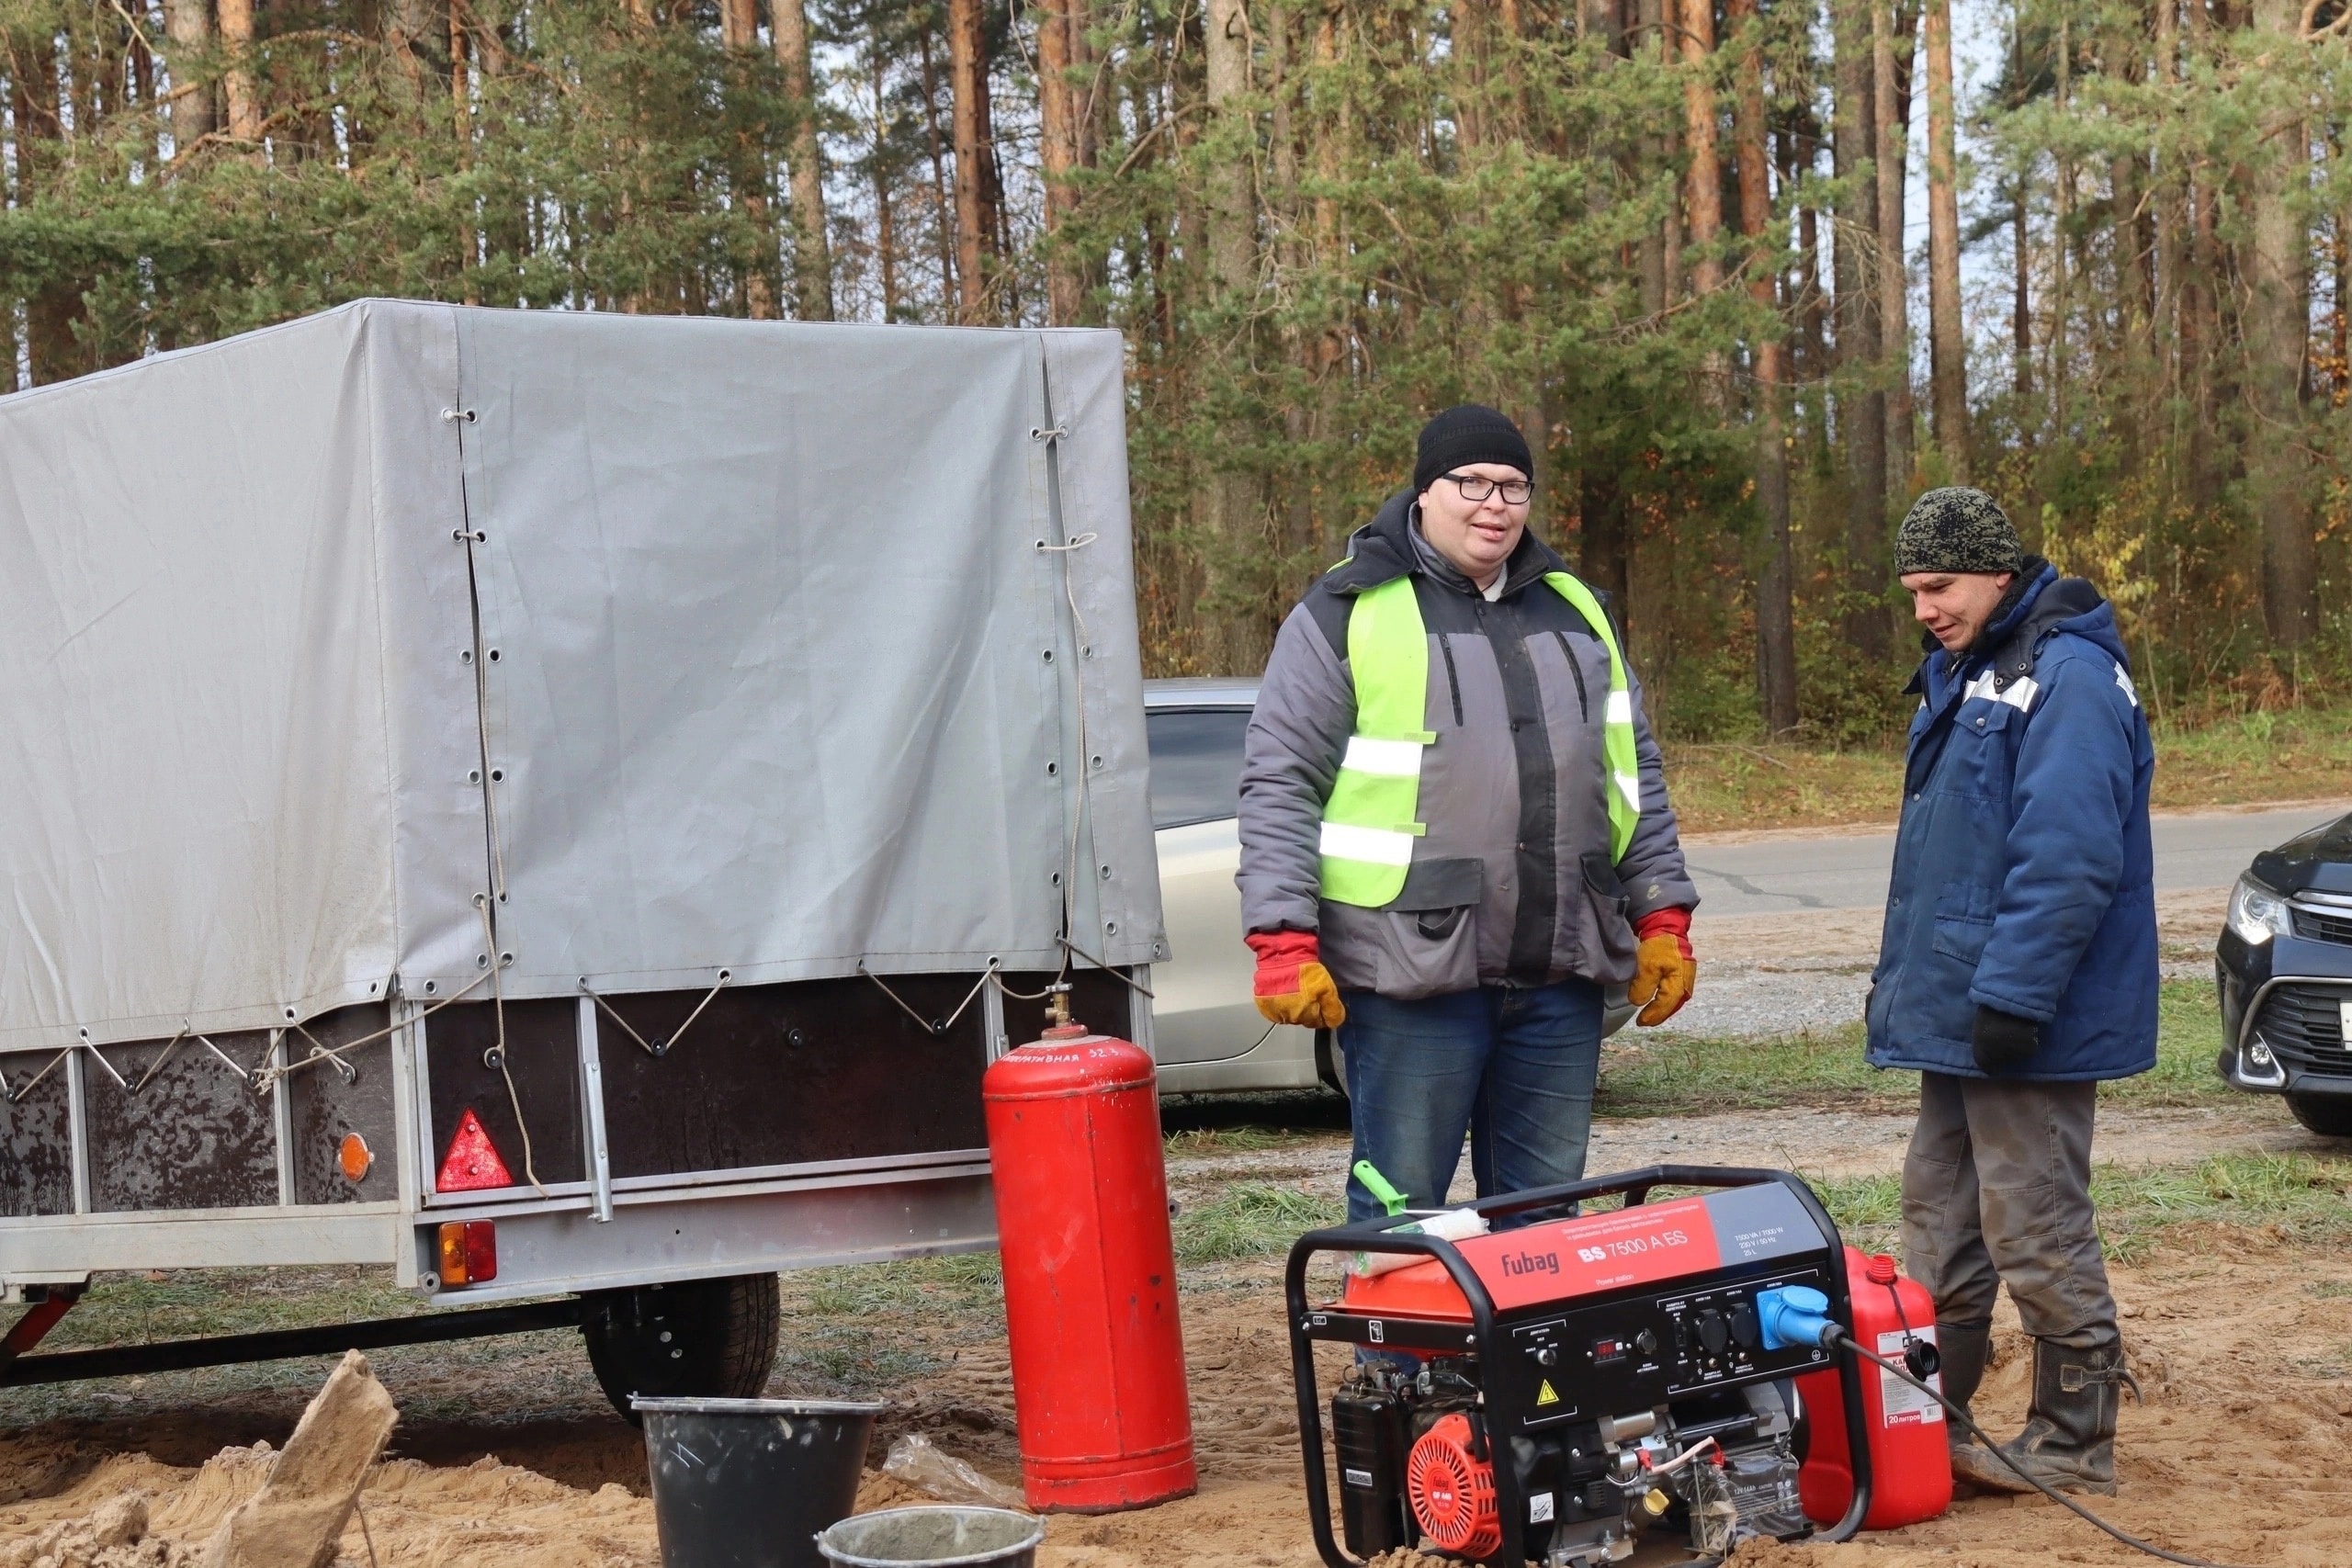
(1910, 1456)
(1090, 1274)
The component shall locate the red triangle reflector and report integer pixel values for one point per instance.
(472, 1162)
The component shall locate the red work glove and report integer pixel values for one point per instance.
(1665, 971)
(1293, 986)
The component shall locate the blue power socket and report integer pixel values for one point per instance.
(1793, 1317)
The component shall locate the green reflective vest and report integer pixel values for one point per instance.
(1369, 822)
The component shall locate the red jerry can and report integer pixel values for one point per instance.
(1910, 1453)
(1090, 1274)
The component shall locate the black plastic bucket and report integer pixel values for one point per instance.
(940, 1537)
(749, 1483)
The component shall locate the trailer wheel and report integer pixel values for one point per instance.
(693, 1338)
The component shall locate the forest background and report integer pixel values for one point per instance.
(1668, 236)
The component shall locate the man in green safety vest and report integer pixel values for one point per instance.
(1455, 829)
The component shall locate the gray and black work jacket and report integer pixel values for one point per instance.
(1514, 882)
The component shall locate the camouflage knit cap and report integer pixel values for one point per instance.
(1954, 529)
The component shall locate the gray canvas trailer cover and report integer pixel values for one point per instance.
(639, 737)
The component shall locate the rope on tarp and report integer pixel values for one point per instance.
(933, 1027)
(473, 537)
(498, 1003)
(264, 1078)
(320, 1052)
(650, 1047)
(157, 1066)
(22, 1089)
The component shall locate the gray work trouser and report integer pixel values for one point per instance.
(1996, 1188)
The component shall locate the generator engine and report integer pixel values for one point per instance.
(1555, 1391)
(1416, 1461)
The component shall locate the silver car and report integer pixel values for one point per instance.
(1205, 1027)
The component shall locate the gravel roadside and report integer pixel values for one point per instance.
(1762, 975)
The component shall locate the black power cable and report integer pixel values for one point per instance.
(1957, 1413)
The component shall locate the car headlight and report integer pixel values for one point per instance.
(2257, 914)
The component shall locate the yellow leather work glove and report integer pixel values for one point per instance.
(1292, 986)
(1665, 970)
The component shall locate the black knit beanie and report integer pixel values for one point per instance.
(1468, 434)
(1956, 529)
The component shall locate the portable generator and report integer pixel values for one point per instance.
(1557, 1387)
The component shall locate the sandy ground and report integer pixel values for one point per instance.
(2240, 1342)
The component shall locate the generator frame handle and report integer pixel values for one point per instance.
(1379, 1235)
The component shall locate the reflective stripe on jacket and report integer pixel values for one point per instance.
(1369, 826)
(1515, 877)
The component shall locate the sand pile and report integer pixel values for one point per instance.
(113, 1537)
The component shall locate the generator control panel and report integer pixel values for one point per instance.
(1645, 1350)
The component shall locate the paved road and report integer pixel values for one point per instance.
(1789, 876)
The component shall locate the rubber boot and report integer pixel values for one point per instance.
(1963, 1350)
(2068, 1443)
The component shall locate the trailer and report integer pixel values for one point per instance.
(562, 806)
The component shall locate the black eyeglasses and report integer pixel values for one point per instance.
(1475, 487)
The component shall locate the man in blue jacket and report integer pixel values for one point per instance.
(2017, 968)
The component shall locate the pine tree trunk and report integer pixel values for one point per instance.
(738, 29)
(1811, 304)
(461, 103)
(1657, 261)
(943, 201)
(1862, 401)
(885, 227)
(2201, 324)
(1947, 341)
(1058, 154)
(1240, 629)
(812, 260)
(1892, 24)
(2060, 231)
(237, 83)
(2276, 329)
(1775, 648)
(194, 113)
(975, 221)
(1704, 185)
(2022, 312)
(51, 350)
(2169, 215)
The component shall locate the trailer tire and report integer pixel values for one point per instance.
(690, 1338)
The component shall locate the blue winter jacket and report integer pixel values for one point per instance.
(2023, 875)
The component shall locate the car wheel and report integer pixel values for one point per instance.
(2328, 1115)
(1330, 1065)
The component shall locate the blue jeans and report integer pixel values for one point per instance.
(1513, 1066)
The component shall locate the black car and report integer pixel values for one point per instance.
(2284, 965)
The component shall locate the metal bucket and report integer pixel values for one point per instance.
(940, 1536)
(749, 1483)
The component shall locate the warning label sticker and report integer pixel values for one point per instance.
(1904, 1404)
(1546, 1394)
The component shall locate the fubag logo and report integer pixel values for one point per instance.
(1531, 1263)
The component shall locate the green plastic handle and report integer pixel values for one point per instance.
(1378, 1185)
